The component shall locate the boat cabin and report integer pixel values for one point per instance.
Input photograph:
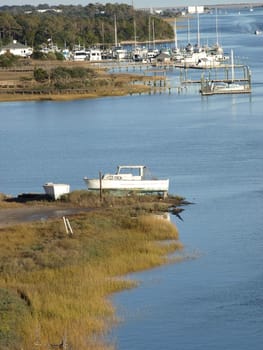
(127, 172)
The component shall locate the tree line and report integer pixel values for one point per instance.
(67, 26)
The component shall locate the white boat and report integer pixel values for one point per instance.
(80, 55)
(228, 87)
(55, 191)
(217, 88)
(119, 53)
(231, 86)
(94, 55)
(129, 178)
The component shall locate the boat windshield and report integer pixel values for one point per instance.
(140, 170)
(132, 170)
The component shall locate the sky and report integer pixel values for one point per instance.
(136, 3)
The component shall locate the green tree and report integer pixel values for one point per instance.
(87, 25)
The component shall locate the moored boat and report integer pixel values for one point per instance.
(242, 85)
(129, 178)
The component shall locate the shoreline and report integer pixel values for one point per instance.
(60, 282)
(119, 84)
(70, 97)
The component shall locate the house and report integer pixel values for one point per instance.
(17, 49)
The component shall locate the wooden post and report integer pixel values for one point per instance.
(69, 226)
(65, 224)
(100, 185)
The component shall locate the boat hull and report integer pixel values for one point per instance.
(55, 191)
(126, 185)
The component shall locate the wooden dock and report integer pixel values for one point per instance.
(227, 83)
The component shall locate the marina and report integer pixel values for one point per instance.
(210, 149)
(162, 66)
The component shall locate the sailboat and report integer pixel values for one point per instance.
(198, 56)
(229, 86)
(119, 52)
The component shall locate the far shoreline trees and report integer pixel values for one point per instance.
(68, 26)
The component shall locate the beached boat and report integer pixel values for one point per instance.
(55, 191)
(129, 178)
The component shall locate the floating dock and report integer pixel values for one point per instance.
(223, 82)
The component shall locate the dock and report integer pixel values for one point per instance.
(223, 82)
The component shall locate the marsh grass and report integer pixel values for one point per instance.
(149, 202)
(61, 282)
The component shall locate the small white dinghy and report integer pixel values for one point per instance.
(55, 191)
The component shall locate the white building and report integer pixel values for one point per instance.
(196, 9)
(17, 49)
(49, 10)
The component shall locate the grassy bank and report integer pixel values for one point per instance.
(54, 286)
(20, 84)
(128, 90)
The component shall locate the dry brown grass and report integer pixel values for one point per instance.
(64, 280)
(117, 84)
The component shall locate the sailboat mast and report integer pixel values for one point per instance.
(149, 32)
(135, 34)
(188, 30)
(198, 30)
(175, 35)
(217, 41)
(153, 34)
(115, 31)
(232, 66)
(134, 27)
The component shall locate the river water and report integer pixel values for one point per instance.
(211, 149)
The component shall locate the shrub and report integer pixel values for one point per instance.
(40, 75)
(59, 56)
(60, 73)
(38, 55)
(8, 60)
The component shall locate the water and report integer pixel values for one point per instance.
(211, 149)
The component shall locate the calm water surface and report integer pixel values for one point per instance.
(211, 149)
